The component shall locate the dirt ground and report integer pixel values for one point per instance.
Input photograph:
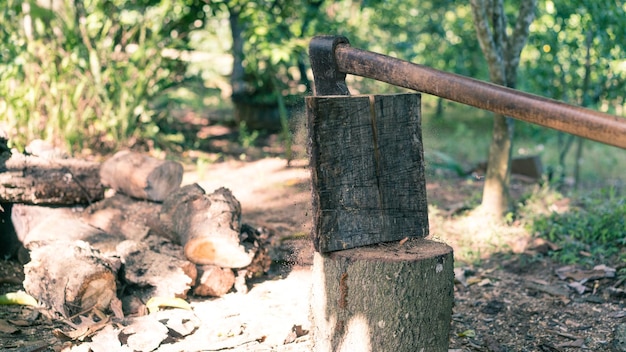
(504, 302)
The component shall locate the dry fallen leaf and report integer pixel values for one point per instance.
(85, 329)
(296, 331)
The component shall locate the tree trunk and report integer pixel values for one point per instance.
(141, 176)
(495, 199)
(396, 297)
(237, 76)
(502, 53)
(33, 180)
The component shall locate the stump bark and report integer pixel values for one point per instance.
(141, 176)
(383, 298)
(33, 180)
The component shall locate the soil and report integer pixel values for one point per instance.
(503, 302)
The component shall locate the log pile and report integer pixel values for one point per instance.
(152, 238)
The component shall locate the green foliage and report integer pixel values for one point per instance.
(576, 52)
(84, 74)
(247, 138)
(591, 233)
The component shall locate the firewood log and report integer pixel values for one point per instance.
(122, 216)
(208, 226)
(34, 180)
(157, 274)
(213, 281)
(70, 277)
(65, 226)
(141, 176)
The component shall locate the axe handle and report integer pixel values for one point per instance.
(532, 108)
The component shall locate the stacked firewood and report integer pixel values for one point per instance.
(151, 238)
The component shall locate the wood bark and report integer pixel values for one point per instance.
(395, 297)
(71, 278)
(367, 170)
(207, 225)
(60, 225)
(33, 180)
(123, 216)
(213, 281)
(502, 53)
(141, 176)
(155, 274)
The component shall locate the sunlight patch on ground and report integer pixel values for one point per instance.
(474, 237)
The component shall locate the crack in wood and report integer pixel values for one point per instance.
(377, 157)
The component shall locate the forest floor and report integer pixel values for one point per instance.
(509, 296)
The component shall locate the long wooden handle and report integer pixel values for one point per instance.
(590, 124)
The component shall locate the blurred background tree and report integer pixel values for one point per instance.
(501, 39)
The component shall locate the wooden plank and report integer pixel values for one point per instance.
(367, 170)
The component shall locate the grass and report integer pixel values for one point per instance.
(592, 232)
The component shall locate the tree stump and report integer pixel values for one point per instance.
(382, 287)
(395, 297)
(141, 176)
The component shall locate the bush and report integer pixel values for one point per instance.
(591, 233)
(83, 74)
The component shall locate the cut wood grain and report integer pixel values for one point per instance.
(141, 176)
(213, 281)
(34, 180)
